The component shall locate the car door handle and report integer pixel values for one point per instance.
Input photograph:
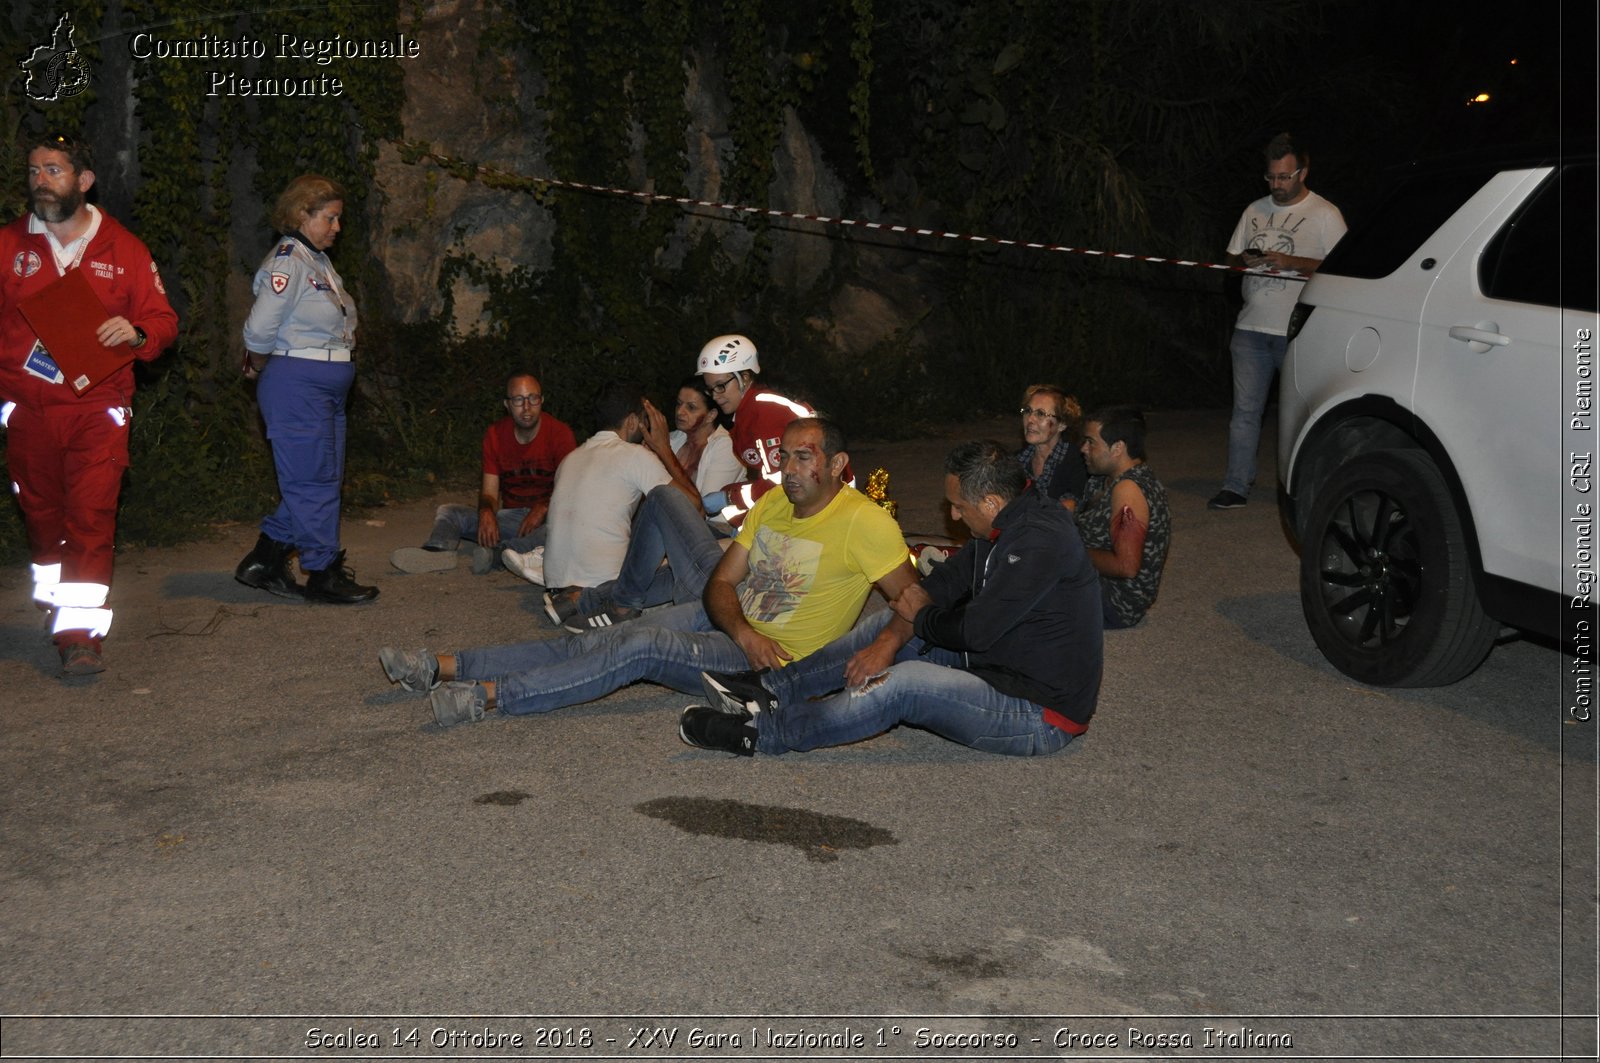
(1481, 337)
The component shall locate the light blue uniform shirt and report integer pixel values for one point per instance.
(300, 302)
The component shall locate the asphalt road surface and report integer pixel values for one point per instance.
(241, 841)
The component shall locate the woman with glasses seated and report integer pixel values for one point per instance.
(300, 342)
(1052, 422)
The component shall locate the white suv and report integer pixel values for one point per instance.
(1434, 411)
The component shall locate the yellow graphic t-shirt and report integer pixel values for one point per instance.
(810, 576)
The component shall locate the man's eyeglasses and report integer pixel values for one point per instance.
(524, 400)
(1282, 178)
(1043, 415)
(718, 389)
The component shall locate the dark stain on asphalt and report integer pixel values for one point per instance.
(819, 836)
(967, 965)
(502, 797)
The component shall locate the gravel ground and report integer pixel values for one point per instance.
(242, 818)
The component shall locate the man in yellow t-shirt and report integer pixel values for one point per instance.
(794, 580)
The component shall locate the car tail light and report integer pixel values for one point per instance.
(1299, 317)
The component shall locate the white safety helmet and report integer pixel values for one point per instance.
(728, 354)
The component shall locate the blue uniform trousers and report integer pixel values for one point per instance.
(303, 402)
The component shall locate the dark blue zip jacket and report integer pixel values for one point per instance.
(1024, 608)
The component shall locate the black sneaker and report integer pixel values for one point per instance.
(561, 604)
(610, 616)
(1226, 500)
(737, 693)
(705, 728)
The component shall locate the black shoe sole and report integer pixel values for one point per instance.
(326, 599)
(292, 591)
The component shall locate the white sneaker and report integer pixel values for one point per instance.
(530, 566)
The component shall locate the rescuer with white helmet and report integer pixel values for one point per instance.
(728, 365)
(668, 525)
(728, 354)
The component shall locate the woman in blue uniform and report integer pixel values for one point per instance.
(300, 340)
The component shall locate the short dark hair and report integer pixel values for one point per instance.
(1121, 424)
(303, 196)
(615, 403)
(833, 440)
(78, 153)
(985, 468)
(1285, 144)
(518, 375)
(698, 383)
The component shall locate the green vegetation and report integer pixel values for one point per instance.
(1092, 124)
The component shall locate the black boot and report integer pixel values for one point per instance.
(267, 568)
(337, 585)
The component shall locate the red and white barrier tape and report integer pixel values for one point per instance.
(470, 170)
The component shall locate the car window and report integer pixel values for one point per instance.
(1380, 243)
(1544, 254)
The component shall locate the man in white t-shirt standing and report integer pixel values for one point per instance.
(598, 486)
(1291, 228)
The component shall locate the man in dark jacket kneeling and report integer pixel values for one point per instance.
(1000, 648)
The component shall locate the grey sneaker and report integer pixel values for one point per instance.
(705, 728)
(484, 558)
(737, 693)
(455, 703)
(415, 670)
(416, 560)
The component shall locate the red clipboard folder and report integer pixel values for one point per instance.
(65, 315)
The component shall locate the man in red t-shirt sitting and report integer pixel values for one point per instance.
(520, 455)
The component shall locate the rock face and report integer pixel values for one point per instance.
(459, 103)
(462, 104)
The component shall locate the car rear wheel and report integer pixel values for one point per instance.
(1385, 580)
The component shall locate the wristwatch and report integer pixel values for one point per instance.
(140, 340)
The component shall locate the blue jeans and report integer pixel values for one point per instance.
(452, 523)
(823, 671)
(667, 526)
(929, 691)
(672, 649)
(926, 687)
(303, 404)
(1257, 357)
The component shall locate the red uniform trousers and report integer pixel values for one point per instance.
(66, 466)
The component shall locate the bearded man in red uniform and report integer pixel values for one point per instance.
(67, 452)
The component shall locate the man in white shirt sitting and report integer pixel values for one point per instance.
(597, 488)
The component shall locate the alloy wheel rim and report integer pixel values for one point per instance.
(1371, 569)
